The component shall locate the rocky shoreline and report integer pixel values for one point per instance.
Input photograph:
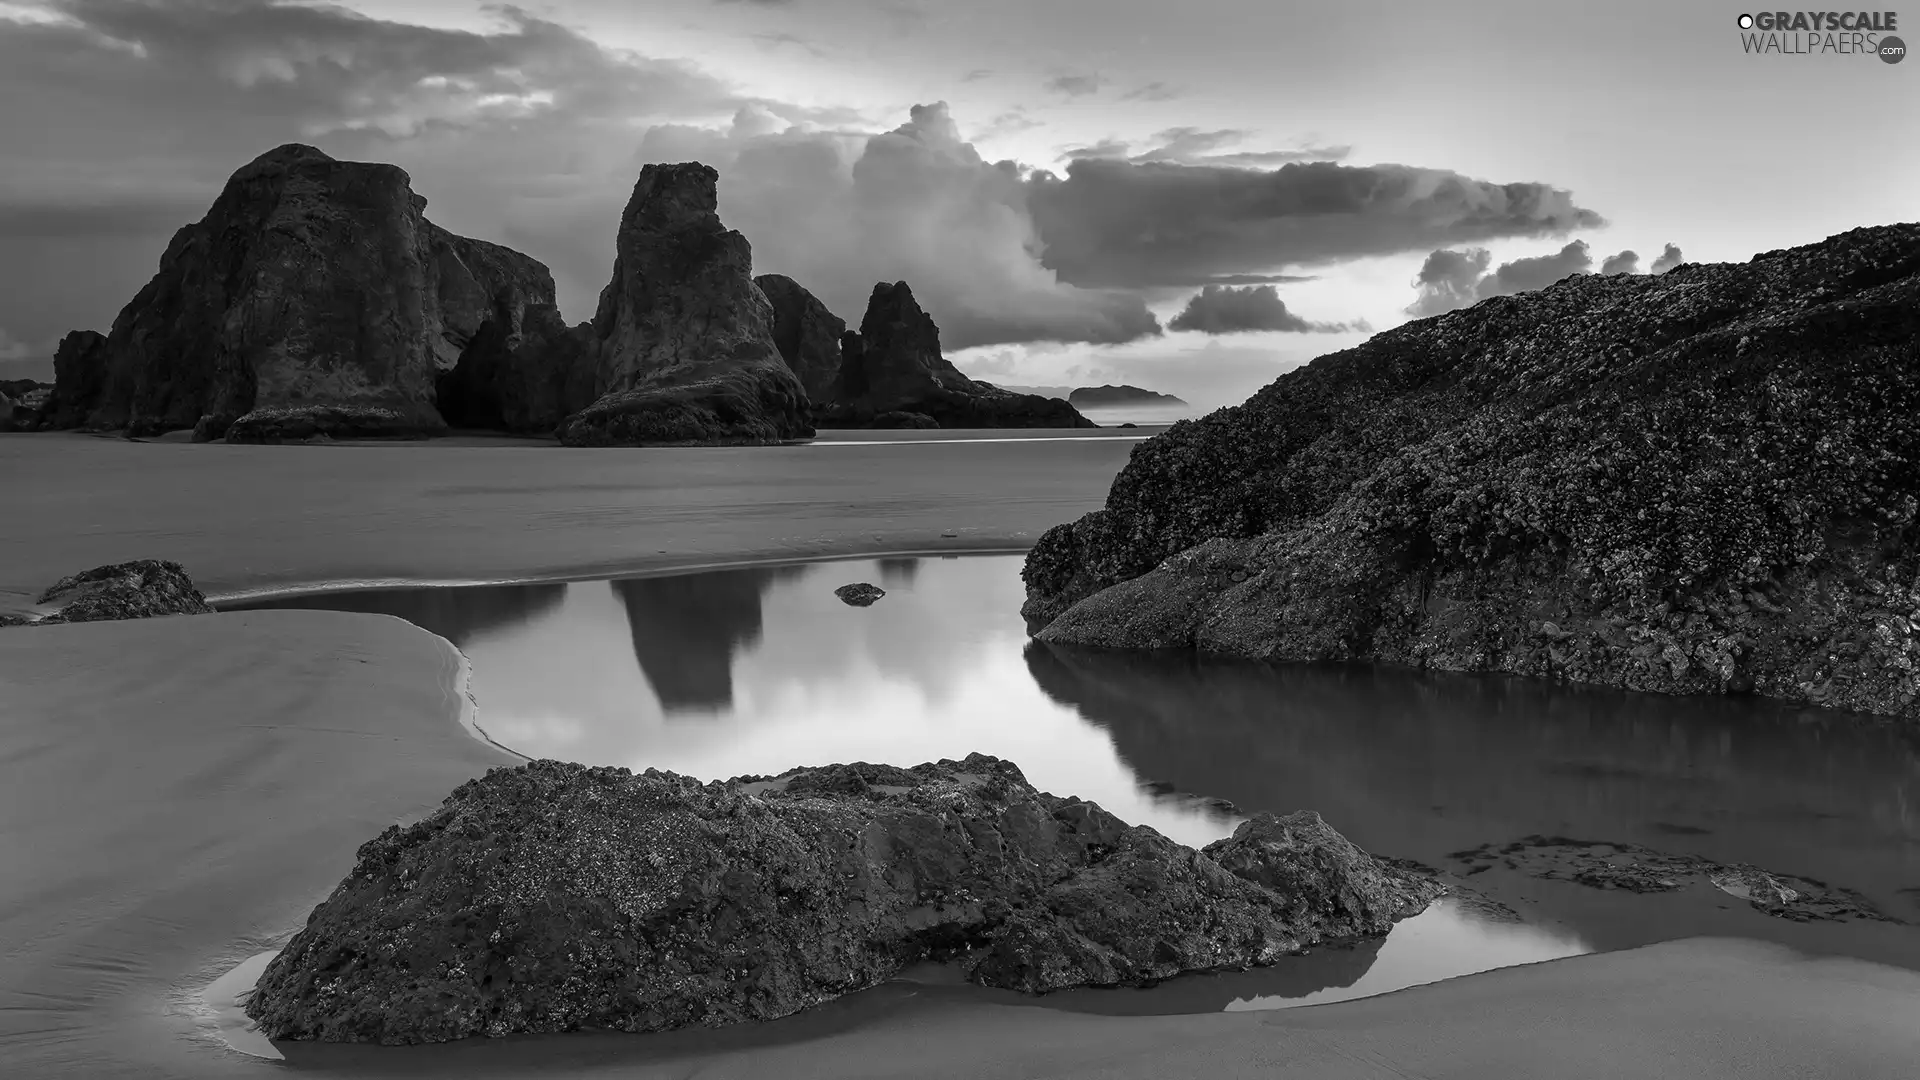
(1702, 482)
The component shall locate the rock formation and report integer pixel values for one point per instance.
(685, 350)
(79, 380)
(525, 380)
(806, 333)
(554, 897)
(1106, 397)
(314, 298)
(131, 590)
(893, 365)
(1704, 481)
(859, 594)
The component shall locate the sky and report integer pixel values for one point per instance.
(1191, 197)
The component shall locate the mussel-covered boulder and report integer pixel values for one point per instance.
(130, 590)
(552, 897)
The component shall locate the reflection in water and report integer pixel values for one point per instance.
(1406, 764)
(1421, 764)
(458, 614)
(687, 627)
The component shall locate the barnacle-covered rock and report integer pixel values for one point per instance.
(553, 897)
(1702, 481)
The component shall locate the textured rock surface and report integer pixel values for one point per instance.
(893, 365)
(806, 333)
(1100, 397)
(314, 297)
(130, 590)
(859, 594)
(685, 348)
(79, 380)
(551, 897)
(526, 380)
(1704, 481)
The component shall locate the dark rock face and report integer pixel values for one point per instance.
(79, 380)
(130, 590)
(314, 298)
(806, 333)
(525, 381)
(1702, 482)
(859, 594)
(893, 365)
(1096, 397)
(552, 897)
(685, 348)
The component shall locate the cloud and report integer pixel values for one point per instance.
(1456, 279)
(1122, 223)
(1668, 259)
(840, 210)
(1626, 262)
(1075, 85)
(1223, 309)
(1153, 91)
(1193, 146)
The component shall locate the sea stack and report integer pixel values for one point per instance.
(685, 351)
(1703, 481)
(892, 371)
(313, 299)
(806, 333)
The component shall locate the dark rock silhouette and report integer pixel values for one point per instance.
(685, 338)
(131, 590)
(554, 897)
(687, 628)
(893, 365)
(313, 299)
(1698, 482)
(806, 333)
(79, 380)
(859, 594)
(524, 380)
(1102, 397)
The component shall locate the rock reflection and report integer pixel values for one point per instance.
(1419, 764)
(461, 614)
(686, 629)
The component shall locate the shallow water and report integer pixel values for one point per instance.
(756, 670)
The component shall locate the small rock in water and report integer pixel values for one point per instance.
(859, 594)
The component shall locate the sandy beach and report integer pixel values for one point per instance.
(178, 793)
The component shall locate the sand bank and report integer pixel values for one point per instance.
(243, 519)
(178, 793)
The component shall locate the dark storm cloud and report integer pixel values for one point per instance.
(1668, 259)
(1626, 262)
(1121, 223)
(1075, 85)
(1457, 279)
(1223, 309)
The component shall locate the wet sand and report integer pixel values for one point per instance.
(249, 518)
(176, 794)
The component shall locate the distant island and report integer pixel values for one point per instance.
(1106, 397)
(1100, 397)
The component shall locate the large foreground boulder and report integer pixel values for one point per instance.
(314, 298)
(553, 897)
(685, 350)
(139, 589)
(1704, 481)
(894, 365)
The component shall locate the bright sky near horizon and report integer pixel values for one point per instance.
(1230, 188)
